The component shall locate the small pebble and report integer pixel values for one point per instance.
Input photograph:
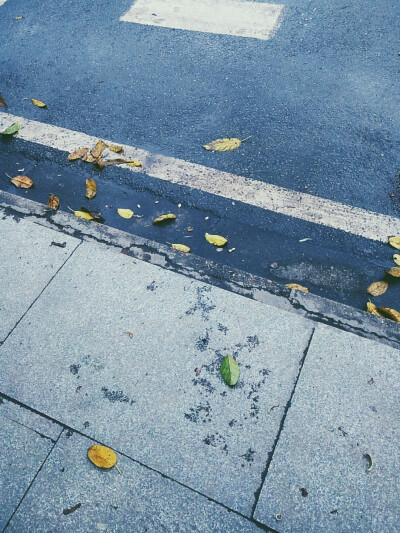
(190, 229)
(231, 250)
(206, 218)
(179, 205)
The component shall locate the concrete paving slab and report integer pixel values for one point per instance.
(113, 345)
(22, 452)
(346, 405)
(70, 494)
(28, 262)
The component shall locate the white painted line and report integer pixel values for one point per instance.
(303, 206)
(2, 2)
(230, 17)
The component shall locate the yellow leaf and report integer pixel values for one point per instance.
(378, 287)
(297, 287)
(390, 313)
(133, 163)
(98, 150)
(164, 218)
(54, 202)
(38, 103)
(22, 182)
(216, 240)
(82, 214)
(396, 259)
(394, 271)
(88, 158)
(77, 154)
(223, 145)
(102, 456)
(91, 188)
(371, 308)
(114, 148)
(181, 248)
(125, 213)
(395, 242)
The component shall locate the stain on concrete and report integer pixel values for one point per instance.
(116, 396)
(200, 413)
(203, 303)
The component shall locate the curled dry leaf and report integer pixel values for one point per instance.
(387, 312)
(2, 102)
(378, 287)
(224, 145)
(98, 150)
(91, 189)
(395, 242)
(89, 158)
(102, 456)
(114, 148)
(230, 370)
(297, 287)
(11, 129)
(396, 259)
(181, 248)
(394, 271)
(164, 218)
(22, 182)
(38, 103)
(53, 202)
(216, 240)
(125, 213)
(133, 163)
(368, 456)
(77, 154)
(371, 308)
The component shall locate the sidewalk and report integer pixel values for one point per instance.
(121, 349)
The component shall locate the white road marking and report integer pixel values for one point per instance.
(295, 204)
(2, 2)
(230, 17)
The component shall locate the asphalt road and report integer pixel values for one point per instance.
(320, 100)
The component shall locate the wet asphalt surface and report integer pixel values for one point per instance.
(320, 100)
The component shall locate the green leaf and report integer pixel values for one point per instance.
(11, 129)
(230, 370)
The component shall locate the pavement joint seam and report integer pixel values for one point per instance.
(287, 407)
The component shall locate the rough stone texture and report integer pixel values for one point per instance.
(346, 404)
(28, 262)
(139, 500)
(141, 394)
(22, 452)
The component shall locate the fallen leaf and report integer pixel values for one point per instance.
(102, 456)
(83, 214)
(378, 287)
(371, 308)
(164, 218)
(230, 370)
(389, 313)
(133, 163)
(59, 244)
(22, 182)
(297, 287)
(19, 17)
(114, 148)
(216, 240)
(89, 158)
(91, 189)
(125, 213)
(96, 215)
(395, 242)
(77, 154)
(394, 271)
(396, 259)
(54, 202)
(224, 145)
(71, 509)
(2, 102)
(98, 150)
(11, 129)
(368, 456)
(38, 103)
(181, 248)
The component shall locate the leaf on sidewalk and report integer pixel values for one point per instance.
(387, 312)
(378, 287)
(125, 213)
(230, 370)
(394, 271)
(297, 287)
(102, 456)
(38, 103)
(225, 144)
(11, 129)
(77, 154)
(395, 242)
(22, 182)
(53, 202)
(91, 189)
(181, 248)
(2, 102)
(164, 218)
(216, 240)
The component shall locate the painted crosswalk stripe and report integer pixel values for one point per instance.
(230, 17)
(2, 2)
(298, 205)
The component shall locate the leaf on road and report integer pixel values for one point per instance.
(22, 182)
(20, 17)
(297, 287)
(98, 150)
(89, 158)
(11, 129)
(91, 189)
(54, 202)
(2, 102)
(224, 145)
(394, 271)
(396, 259)
(389, 313)
(82, 214)
(102, 456)
(96, 215)
(77, 154)
(125, 213)
(395, 242)
(38, 103)
(216, 240)
(114, 148)
(133, 163)
(230, 370)
(164, 218)
(371, 308)
(378, 287)
(181, 248)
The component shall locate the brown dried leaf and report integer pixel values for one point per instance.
(2, 102)
(164, 218)
(114, 148)
(133, 162)
(22, 182)
(91, 189)
(371, 308)
(98, 150)
(390, 313)
(394, 271)
(77, 154)
(54, 202)
(378, 287)
(297, 287)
